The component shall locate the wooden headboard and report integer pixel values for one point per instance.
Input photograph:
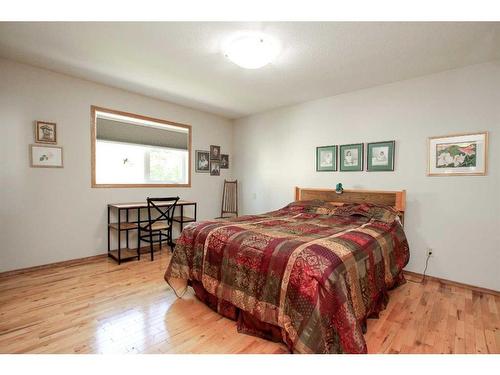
(395, 199)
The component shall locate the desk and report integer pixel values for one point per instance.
(119, 226)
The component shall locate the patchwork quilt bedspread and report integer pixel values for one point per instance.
(314, 270)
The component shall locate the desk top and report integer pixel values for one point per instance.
(145, 204)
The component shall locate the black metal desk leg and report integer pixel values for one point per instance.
(119, 236)
(109, 230)
(138, 234)
(128, 246)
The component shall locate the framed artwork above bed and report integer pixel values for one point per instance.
(458, 155)
(326, 159)
(351, 157)
(380, 156)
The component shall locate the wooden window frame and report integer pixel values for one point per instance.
(93, 131)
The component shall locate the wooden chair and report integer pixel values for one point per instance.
(229, 199)
(157, 229)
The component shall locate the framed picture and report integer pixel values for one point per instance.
(202, 160)
(214, 168)
(380, 156)
(351, 157)
(326, 159)
(214, 152)
(224, 161)
(46, 156)
(45, 132)
(460, 154)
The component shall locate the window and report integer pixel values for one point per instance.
(136, 151)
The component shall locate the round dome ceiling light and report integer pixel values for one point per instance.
(252, 50)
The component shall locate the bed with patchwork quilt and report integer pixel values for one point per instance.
(309, 274)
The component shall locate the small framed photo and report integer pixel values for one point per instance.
(202, 160)
(45, 132)
(46, 156)
(458, 155)
(214, 152)
(380, 156)
(326, 159)
(214, 168)
(224, 161)
(351, 157)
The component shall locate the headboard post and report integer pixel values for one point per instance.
(297, 193)
(401, 200)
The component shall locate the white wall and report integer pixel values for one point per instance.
(458, 217)
(49, 215)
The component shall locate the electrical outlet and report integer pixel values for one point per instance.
(430, 252)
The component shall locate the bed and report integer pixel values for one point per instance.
(309, 274)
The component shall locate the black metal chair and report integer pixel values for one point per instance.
(159, 228)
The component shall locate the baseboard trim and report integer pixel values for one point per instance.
(63, 263)
(454, 283)
(66, 263)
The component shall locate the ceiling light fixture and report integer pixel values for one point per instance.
(251, 50)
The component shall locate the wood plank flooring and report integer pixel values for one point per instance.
(97, 306)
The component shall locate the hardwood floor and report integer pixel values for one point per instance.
(97, 306)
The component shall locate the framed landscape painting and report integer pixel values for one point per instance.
(380, 156)
(326, 159)
(460, 154)
(351, 157)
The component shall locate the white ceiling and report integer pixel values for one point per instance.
(182, 62)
